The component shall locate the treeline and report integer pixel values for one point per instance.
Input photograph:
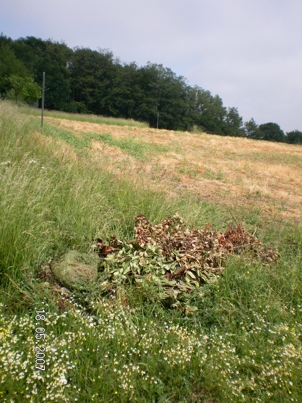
(82, 80)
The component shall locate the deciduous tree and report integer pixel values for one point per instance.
(271, 132)
(294, 137)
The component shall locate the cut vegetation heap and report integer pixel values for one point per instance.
(174, 258)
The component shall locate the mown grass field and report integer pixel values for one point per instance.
(85, 178)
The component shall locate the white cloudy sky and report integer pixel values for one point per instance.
(249, 52)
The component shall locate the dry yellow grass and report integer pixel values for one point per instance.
(229, 170)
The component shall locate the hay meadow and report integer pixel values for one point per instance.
(85, 178)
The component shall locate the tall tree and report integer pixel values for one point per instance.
(23, 88)
(10, 65)
(165, 97)
(271, 132)
(126, 94)
(294, 137)
(209, 112)
(233, 123)
(92, 73)
(52, 58)
(251, 130)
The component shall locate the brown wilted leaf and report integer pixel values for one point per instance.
(103, 249)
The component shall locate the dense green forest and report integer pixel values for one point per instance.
(82, 80)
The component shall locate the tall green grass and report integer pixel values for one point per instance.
(50, 201)
(243, 344)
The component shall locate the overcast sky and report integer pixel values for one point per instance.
(249, 52)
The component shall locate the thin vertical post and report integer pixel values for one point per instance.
(43, 98)
(157, 120)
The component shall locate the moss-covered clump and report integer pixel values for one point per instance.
(75, 269)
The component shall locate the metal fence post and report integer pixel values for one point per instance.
(43, 97)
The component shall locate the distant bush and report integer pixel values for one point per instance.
(294, 137)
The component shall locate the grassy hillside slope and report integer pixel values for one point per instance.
(82, 180)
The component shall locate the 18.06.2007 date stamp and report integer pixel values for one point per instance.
(40, 337)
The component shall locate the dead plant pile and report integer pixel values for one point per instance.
(173, 258)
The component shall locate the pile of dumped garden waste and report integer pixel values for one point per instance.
(175, 259)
